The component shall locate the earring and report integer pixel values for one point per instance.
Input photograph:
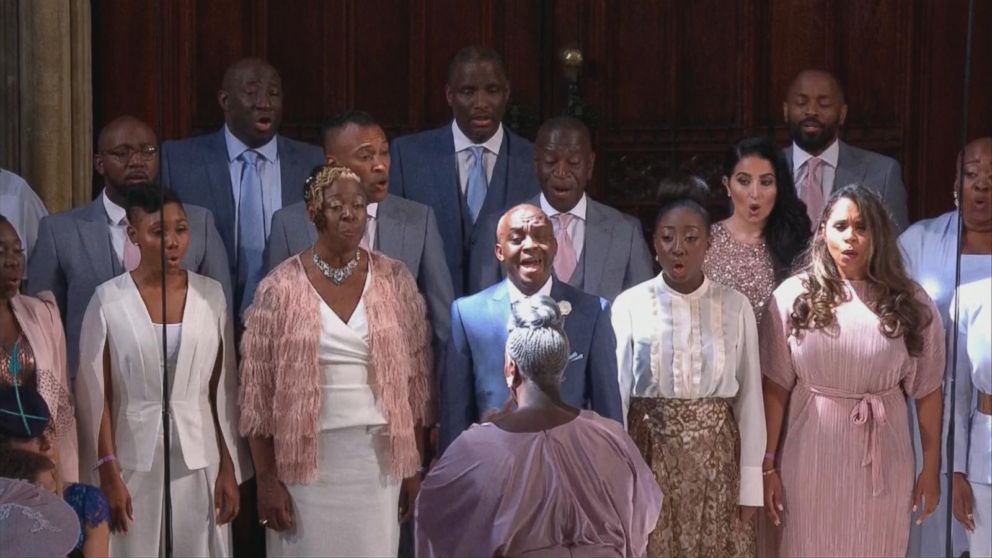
(509, 382)
(956, 205)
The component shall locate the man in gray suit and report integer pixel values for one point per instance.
(402, 229)
(815, 110)
(244, 172)
(82, 248)
(600, 250)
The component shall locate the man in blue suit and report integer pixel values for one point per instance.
(470, 168)
(401, 229)
(472, 386)
(79, 249)
(244, 172)
(600, 250)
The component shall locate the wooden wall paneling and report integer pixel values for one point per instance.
(800, 34)
(381, 40)
(944, 27)
(450, 25)
(519, 40)
(125, 61)
(177, 59)
(299, 36)
(222, 35)
(420, 86)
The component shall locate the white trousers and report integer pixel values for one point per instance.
(981, 540)
(194, 531)
(352, 509)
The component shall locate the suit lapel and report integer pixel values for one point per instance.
(389, 232)
(218, 167)
(599, 235)
(94, 233)
(850, 169)
(289, 164)
(445, 190)
(496, 193)
(194, 312)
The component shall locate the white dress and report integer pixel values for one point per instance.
(929, 250)
(692, 346)
(972, 429)
(117, 322)
(352, 509)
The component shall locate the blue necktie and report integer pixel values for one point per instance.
(251, 229)
(475, 194)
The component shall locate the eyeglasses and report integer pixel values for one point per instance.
(124, 153)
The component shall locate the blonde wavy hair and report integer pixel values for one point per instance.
(320, 179)
(892, 294)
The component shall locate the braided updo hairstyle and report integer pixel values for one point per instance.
(537, 342)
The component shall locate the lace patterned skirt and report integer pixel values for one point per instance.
(693, 447)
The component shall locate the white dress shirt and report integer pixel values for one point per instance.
(464, 155)
(577, 228)
(827, 170)
(516, 294)
(269, 172)
(117, 220)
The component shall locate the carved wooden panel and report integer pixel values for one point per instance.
(669, 84)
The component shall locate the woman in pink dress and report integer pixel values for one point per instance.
(545, 479)
(849, 339)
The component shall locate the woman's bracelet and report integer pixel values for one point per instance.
(768, 472)
(770, 456)
(103, 460)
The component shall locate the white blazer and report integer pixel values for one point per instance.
(117, 318)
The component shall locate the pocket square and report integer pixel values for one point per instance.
(575, 356)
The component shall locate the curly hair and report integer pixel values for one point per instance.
(787, 231)
(321, 178)
(891, 293)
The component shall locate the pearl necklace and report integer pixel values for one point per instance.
(337, 275)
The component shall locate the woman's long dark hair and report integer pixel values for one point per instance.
(892, 292)
(787, 232)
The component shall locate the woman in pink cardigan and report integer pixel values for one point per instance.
(335, 386)
(32, 351)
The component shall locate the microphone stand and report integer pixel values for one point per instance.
(956, 308)
(166, 398)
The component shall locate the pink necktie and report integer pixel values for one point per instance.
(812, 190)
(565, 258)
(132, 255)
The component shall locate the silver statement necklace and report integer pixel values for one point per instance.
(337, 275)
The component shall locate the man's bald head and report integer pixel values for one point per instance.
(126, 155)
(525, 245)
(560, 124)
(251, 98)
(128, 126)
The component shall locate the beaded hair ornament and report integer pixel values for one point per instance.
(321, 179)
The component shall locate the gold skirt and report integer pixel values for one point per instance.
(693, 447)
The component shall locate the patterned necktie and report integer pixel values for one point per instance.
(812, 190)
(251, 228)
(475, 194)
(132, 254)
(565, 258)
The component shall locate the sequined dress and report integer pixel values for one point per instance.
(743, 267)
(26, 373)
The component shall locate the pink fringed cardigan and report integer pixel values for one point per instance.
(280, 377)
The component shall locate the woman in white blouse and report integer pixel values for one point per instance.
(690, 382)
(119, 392)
